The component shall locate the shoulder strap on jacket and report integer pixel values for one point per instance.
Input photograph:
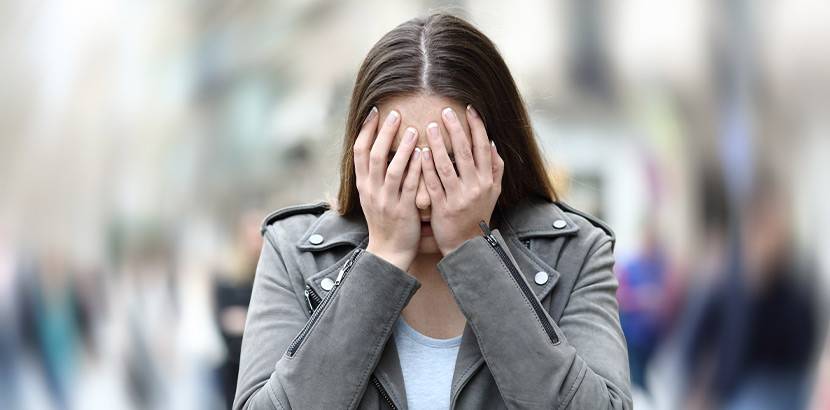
(593, 219)
(315, 209)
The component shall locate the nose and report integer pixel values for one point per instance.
(422, 200)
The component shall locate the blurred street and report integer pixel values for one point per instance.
(142, 143)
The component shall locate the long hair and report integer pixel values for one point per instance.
(443, 55)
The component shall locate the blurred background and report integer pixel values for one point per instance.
(142, 142)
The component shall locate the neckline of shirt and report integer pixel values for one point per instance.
(423, 339)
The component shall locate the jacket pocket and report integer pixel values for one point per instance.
(520, 283)
(321, 306)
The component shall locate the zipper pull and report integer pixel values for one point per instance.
(308, 299)
(487, 233)
(346, 268)
(342, 272)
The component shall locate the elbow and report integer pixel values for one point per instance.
(620, 400)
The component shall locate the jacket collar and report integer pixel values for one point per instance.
(527, 221)
(332, 229)
(534, 218)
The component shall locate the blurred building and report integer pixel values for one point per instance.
(135, 136)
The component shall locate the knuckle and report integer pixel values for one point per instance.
(465, 153)
(393, 174)
(446, 169)
(376, 160)
(433, 185)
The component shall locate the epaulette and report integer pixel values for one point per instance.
(316, 209)
(593, 219)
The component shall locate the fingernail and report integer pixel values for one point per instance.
(433, 129)
(493, 144)
(393, 116)
(372, 113)
(426, 153)
(472, 110)
(417, 154)
(449, 114)
(410, 134)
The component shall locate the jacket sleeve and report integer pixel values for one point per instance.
(291, 361)
(579, 363)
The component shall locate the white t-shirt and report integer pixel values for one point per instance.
(427, 366)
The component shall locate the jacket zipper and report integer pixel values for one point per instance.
(548, 328)
(382, 392)
(314, 302)
(317, 312)
(312, 298)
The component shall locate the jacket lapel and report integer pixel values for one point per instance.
(469, 359)
(329, 231)
(390, 374)
(531, 230)
(332, 230)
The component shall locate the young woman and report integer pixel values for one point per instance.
(446, 276)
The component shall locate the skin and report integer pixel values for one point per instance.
(421, 183)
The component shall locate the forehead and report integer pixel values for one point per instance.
(418, 110)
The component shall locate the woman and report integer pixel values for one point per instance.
(522, 316)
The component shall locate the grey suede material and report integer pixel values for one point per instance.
(506, 359)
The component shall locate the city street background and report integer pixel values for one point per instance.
(142, 143)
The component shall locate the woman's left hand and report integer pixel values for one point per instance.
(459, 200)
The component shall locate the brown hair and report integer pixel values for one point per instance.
(443, 55)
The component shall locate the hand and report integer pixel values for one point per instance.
(460, 200)
(387, 195)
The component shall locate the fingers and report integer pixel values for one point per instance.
(413, 175)
(498, 165)
(363, 144)
(431, 179)
(379, 154)
(461, 146)
(441, 160)
(481, 145)
(395, 171)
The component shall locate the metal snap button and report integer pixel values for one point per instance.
(327, 284)
(541, 278)
(316, 239)
(559, 224)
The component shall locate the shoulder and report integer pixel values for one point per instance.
(536, 219)
(314, 227)
(588, 221)
(296, 217)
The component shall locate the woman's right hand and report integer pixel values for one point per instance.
(387, 194)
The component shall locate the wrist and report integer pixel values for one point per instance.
(399, 259)
(459, 240)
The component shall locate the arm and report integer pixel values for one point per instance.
(579, 363)
(333, 352)
(325, 362)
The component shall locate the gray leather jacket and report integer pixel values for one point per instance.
(543, 329)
